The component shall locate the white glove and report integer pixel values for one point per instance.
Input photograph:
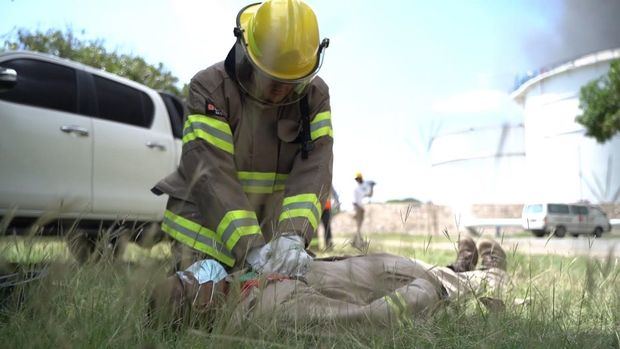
(285, 255)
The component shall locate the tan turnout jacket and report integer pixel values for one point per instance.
(241, 179)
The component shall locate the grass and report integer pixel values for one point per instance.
(555, 302)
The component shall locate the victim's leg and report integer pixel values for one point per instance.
(306, 304)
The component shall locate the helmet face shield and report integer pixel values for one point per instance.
(266, 88)
(277, 53)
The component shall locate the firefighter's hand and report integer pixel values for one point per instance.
(285, 255)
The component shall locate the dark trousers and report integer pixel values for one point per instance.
(325, 219)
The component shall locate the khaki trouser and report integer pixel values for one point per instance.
(359, 219)
(382, 288)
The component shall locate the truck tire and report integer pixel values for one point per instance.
(81, 245)
(91, 246)
(598, 232)
(560, 231)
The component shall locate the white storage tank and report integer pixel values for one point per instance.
(563, 164)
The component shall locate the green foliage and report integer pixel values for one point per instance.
(600, 102)
(66, 44)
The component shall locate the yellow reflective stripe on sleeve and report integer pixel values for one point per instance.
(215, 132)
(196, 236)
(280, 183)
(261, 182)
(302, 206)
(236, 224)
(321, 125)
(213, 122)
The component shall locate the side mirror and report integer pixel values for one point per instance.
(8, 79)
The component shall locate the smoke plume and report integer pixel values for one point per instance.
(583, 26)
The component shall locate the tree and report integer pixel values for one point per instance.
(600, 102)
(93, 53)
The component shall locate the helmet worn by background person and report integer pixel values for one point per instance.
(278, 52)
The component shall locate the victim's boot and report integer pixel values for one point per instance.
(492, 255)
(467, 256)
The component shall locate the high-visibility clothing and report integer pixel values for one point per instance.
(241, 172)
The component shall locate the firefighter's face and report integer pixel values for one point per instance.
(272, 91)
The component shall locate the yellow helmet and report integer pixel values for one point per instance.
(358, 175)
(280, 39)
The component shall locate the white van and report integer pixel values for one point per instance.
(543, 218)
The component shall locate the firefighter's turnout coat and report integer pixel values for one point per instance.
(242, 179)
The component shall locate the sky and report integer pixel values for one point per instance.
(399, 72)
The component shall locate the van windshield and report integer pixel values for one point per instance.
(557, 208)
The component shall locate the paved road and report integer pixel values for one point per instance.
(568, 246)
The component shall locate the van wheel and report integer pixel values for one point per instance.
(560, 231)
(598, 232)
(538, 233)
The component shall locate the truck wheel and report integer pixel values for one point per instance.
(538, 233)
(112, 243)
(149, 235)
(560, 231)
(86, 246)
(81, 245)
(119, 243)
(598, 232)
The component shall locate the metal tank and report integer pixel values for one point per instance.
(563, 164)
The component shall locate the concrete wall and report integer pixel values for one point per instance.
(428, 218)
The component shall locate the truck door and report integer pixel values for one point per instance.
(45, 145)
(176, 111)
(133, 150)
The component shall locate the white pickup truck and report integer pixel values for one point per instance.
(81, 147)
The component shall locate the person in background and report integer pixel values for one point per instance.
(326, 217)
(362, 190)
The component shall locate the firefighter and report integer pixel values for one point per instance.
(257, 153)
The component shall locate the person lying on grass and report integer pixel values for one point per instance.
(380, 287)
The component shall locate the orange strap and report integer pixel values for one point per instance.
(248, 285)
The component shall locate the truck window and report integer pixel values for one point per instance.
(558, 208)
(121, 103)
(42, 84)
(175, 112)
